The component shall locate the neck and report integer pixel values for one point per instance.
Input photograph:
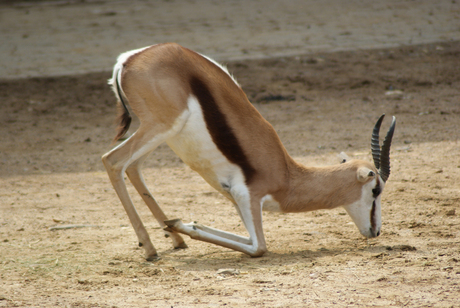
(313, 188)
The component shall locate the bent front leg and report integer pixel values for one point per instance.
(252, 217)
(177, 223)
(221, 238)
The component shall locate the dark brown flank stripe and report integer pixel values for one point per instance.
(220, 131)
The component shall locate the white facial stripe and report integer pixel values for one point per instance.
(367, 219)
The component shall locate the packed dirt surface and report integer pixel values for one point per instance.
(65, 240)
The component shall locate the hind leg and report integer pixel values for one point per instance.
(117, 161)
(136, 178)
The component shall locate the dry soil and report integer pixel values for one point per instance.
(65, 240)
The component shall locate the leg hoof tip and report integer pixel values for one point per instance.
(153, 258)
(181, 246)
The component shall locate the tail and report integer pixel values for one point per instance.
(124, 118)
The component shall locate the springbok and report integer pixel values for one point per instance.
(194, 105)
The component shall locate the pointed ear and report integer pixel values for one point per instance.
(343, 158)
(364, 174)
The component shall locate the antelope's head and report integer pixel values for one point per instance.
(366, 212)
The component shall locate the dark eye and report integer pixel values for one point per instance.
(376, 191)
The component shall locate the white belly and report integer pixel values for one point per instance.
(194, 145)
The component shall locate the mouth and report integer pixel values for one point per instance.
(373, 233)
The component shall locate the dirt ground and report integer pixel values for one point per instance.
(65, 240)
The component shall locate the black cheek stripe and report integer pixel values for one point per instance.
(373, 223)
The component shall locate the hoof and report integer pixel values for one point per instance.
(153, 258)
(181, 246)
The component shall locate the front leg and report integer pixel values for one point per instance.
(191, 229)
(250, 213)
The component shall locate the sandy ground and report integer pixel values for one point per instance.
(320, 100)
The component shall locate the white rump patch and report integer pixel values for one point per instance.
(122, 58)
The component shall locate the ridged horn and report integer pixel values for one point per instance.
(385, 155)
(375, 144)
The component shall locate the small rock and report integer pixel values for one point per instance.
(381, 255)
(314, 275)
(83, 281)
(450, 213)
(413, 225)
(395, 94)
(228, 272)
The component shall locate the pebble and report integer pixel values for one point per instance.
(228, 272)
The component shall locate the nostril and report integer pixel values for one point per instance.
(374, 233)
